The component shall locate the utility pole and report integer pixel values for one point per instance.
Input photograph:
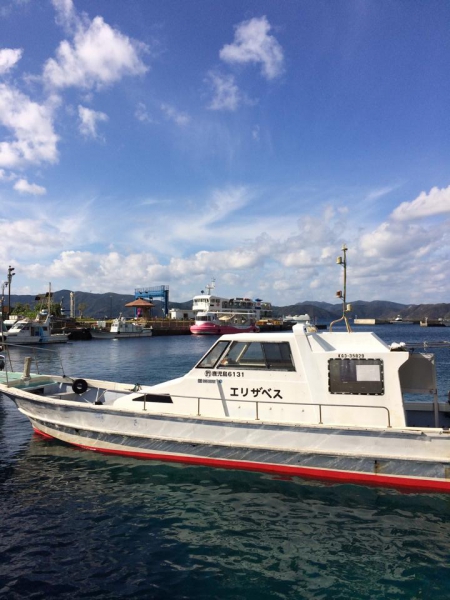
(4, 284)
(10, 276)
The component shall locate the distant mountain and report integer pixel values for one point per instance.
(311, 308)
(99, 306)
(378, 309)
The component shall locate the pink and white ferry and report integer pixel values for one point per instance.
(219, 316)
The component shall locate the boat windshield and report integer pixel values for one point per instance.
(213, 355)
(249, 355)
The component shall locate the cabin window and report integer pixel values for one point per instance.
(356, 376)
(259, 355)
(165, 399)
(213, 356)
(249, 355)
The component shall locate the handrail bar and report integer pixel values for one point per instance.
(319, 405)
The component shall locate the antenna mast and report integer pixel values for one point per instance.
(343, 293)
(211, 286)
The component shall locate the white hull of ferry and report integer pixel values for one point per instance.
(210, 328)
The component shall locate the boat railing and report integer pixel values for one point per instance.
(320, 406)
(411, 346)
(34, 350)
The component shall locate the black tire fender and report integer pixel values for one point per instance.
(79, 386)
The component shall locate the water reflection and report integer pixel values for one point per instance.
(194, 531)
(147, 360)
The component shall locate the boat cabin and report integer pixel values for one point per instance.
(327, 378)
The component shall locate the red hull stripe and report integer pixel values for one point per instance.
(411, 483)
(45, 435)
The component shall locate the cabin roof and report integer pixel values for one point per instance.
(340, 341)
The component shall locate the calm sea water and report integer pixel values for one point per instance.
(75, 524)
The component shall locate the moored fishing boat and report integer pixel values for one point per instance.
(121, 328)
(333, 405)
(37, 331)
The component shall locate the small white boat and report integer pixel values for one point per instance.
(399, 321)
(121, 328)
(297, 319)
(37, 331)
(328, 405)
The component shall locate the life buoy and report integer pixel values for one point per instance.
(79, 386)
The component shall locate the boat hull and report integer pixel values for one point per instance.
(107, 335)
(398, 458)
(213, 329)
(53, 339)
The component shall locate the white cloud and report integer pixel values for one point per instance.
(436, 202)
(31, 229)
(5, 176)
(141, 113)
(396, 240)
(65, 12)
(98, 272)
(8, 58)
(380, 192)
(25, 238)
(88, 121)
(178, 117)
(98, 56)
(253, 44)
(226, 94)
(23, 187)
(291, 261)
(32, 127)
(300, 258)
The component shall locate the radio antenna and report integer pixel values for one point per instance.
(346, 308)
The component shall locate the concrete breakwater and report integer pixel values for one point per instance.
(422, 322)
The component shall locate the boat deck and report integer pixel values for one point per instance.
(5, 377)
(17, 380)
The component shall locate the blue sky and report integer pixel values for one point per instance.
(146, 143)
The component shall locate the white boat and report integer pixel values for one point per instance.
(399, 320)
(121, 328)
(328, 405)
(8, 323)
(297, 319)
(217, 316)
(37, 331)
